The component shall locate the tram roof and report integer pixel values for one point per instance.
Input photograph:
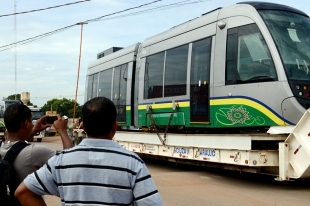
(212, 16)
(115, 55)
(272, 6)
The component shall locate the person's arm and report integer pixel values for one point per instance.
(27, 197)
(39, 126)
(144, 189)
(61, 126)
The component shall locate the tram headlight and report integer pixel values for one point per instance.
(305, 88)
(308, 94)
(297, 87)
(300, 93)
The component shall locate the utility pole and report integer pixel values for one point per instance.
(15, 39)
(78, 76)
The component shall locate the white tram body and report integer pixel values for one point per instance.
(214, 81)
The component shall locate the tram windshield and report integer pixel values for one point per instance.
(291, 33)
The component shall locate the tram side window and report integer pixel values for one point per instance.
(90, 86)
(105, 83)
(176, 71)
(119, 91)
(95, 85)
(153, 77)
(248, 59)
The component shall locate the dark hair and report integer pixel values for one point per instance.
(15, 115)
(98, 116)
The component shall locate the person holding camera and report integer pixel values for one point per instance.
(98, 171)
(18, 122)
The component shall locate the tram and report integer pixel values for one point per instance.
(246, 65)
(239, 68)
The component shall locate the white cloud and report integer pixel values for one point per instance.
(50, 69)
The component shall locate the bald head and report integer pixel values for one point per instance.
(99, 115)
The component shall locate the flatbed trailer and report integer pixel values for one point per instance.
(282, 152)
(289, 159)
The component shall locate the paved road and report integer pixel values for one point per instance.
(56, 144)
(188, 185)
(53, 142)
(183, 185)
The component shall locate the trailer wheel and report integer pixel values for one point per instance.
(39, 139)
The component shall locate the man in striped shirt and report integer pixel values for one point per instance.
(96, 172)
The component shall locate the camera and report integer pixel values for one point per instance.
(51, 119)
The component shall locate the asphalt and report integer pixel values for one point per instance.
(53, 142)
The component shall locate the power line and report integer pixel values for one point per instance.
(102, 18)
(35, 38)
(52, 7)
(29, 40)
(142, 5)
(163, 7)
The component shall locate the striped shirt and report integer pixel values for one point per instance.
(96, 172)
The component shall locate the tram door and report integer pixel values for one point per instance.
(199, 81)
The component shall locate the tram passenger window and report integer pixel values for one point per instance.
(176, 71)
(232, 75)
(119, 91)
(105, 83)
(153, 80)
(90, 80)
(248, 59)
(95, 85)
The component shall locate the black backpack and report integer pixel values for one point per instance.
(8, 178)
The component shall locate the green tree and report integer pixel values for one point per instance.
(12, 97)
(63, 107)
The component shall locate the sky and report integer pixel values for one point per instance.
(48, 68)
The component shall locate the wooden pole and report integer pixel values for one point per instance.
(78, 76)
